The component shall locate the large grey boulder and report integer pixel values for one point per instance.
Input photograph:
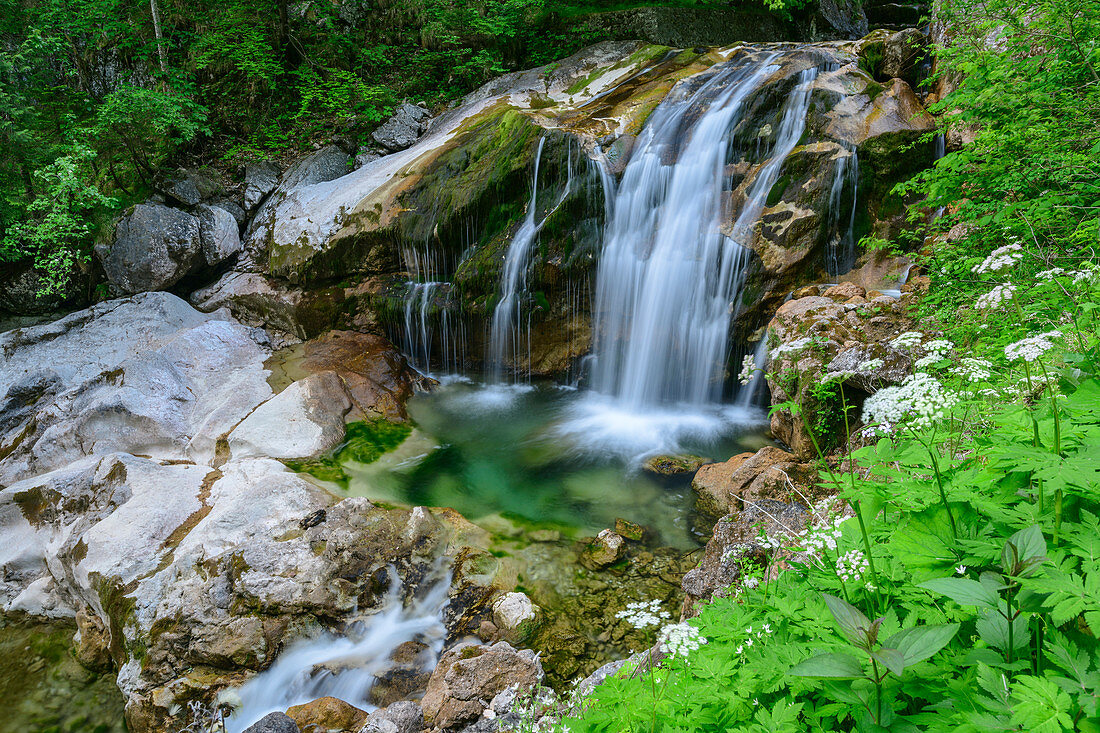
(260, 179)
(147, 375)
(191, 186)
(303, 421)
(153, 248)
(218, 234)
(402, 129)
(327, 164)
(404, 716)
(902, 54)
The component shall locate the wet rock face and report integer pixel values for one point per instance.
(469, 676)
(153, 248)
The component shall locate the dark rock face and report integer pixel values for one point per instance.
(403, 128)
(328, 163)
(153, 248)
(260, 179)
(274, 723)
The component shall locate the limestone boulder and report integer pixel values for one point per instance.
(303, 421)
(191, 186)
(327, 164)
(260, 179)
(400, 717)
(288, 313)
(740, 482)
(218, 235)
(516, 616)
(903, 53)
(469, 676)
(274, 723)
(154, 247)
(145, 375)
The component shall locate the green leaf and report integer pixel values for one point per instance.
(963, 591)
(892, 659)
(853, 624)
(1023, 551)
(921, 642)
(837, 665)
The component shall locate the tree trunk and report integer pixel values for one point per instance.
(160, 38)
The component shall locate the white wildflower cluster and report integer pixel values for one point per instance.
(748, 367)
(995, 298)
(753, 636)
(1050, 274)
(974, 370)
(1000, 259)
(1089, 274)
(821, 536)
(792, 347)
(1032, 347)
(935, 351)
(680, 639)
(920, 401)
(851, 566)
(907, 340)
(870, 365)
(643, 614)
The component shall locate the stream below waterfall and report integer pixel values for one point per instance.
(544, 454)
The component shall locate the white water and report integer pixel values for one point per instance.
(505, 336)
(845, 191)
(344, 667)
(669, 279)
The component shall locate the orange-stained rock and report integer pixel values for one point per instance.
(328, 715)
(770, 473)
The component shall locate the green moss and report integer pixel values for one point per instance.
(368, 441)
(776, 193)
(873, 90)
(325, 469)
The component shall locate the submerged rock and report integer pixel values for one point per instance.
(673, 465)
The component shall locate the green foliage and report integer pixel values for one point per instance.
(57, 231)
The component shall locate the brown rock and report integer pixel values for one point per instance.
(735, 548)
(770, 473)
(470, 675)
(94, 647)
(902, 55)
(917, 285)
(806, 291)
(327, 715)
(845, 291)
(375, 374)
(604, 550)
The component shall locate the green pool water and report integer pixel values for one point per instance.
(549, 456)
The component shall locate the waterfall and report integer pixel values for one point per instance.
(841, 251)
(750, 393)
(669, 278)
(344, 667)
(427, 320)
(505, 334)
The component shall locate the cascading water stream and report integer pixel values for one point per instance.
(753, 389)
(344, 667)
(669, 278)
(842, 243)
(504, 334)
